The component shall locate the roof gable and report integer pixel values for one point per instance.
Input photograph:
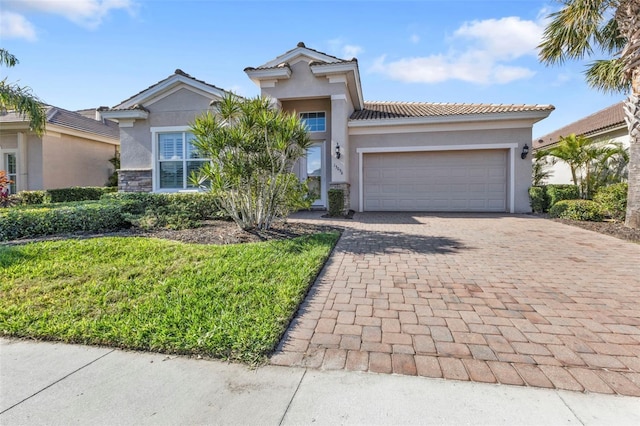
(167, 86)
(301, 52)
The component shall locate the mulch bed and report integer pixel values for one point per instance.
(615, 229)
(217, 232)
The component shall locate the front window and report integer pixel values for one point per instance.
(177, 158)
(12, 171)
(315, 121)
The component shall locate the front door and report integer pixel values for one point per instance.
(314, 169)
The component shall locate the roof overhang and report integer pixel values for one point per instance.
(258, 75)
(530, 117)
(347, 69)
(125, 114)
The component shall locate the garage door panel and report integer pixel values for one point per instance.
(436, 181)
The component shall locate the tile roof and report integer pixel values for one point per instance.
(390, 110)
(606, 119)
(176, 72)
(69, 119)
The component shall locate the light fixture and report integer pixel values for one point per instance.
(525, 151)
(338, 155)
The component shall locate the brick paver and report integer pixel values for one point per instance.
(512, 299)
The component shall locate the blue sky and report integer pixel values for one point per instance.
(85, 53)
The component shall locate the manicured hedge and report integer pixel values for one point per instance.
(78, 193)
(558, 193)
(585, 210)
(48, 220)
(613, 199)
(543, 197)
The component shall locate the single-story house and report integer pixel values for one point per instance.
(73, 151)
(387, 156)
(607, 125)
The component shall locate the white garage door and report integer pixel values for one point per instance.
(465, 181)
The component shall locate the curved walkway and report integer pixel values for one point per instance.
(510, 299)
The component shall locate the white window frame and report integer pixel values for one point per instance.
(5, 166)
(315, 112)
(155, 170)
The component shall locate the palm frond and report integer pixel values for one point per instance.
(608, 76)
(24, 103)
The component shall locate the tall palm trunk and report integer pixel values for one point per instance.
(628, 19)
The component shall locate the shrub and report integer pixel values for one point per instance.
(336, 202)
(77, 193)
(49, 220)
(158, 210)
(557, 193)
(586, 210)
(33, 197)
(539, 199)
(613, 199)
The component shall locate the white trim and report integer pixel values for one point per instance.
(167, 84)
(439, 127)
(337, 79)
(128, 114)
(155, 184)
(294, 53)
(341, 97)
(470, 147)
(16, 154)
(272, 74)
(512, 179)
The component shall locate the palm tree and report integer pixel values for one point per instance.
(571, 150)
(581, 27)
(21, 99)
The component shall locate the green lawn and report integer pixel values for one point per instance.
(230, 302)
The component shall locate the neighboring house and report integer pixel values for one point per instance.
(387, 156)
(605, 125)
(73, 151)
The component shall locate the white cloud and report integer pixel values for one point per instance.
(341, 48)
(488, 49)
(86, 13)
(14, 25)
(351, 51)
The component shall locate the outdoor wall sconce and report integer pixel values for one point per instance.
(338, 155)
(525, 151)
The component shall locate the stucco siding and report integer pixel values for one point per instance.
(303, 84)
(179, 108)
(73, 161)
(519, 136)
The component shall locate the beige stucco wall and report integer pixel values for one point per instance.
(74, 161)
(303, 84)
(32, 179)
(176, 109)
(469, 137)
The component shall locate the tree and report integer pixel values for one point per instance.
(253, 147)
(21, 99)
(592, 163)
(540, 172)
(580, 28)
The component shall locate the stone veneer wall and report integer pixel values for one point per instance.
(135, 180)
(345, 190)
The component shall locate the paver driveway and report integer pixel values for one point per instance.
(512, 299)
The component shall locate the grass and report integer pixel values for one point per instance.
(230, 302)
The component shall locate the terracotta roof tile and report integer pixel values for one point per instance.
(609, 118)
(390, 110)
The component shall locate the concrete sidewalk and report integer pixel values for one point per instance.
(52, 383)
